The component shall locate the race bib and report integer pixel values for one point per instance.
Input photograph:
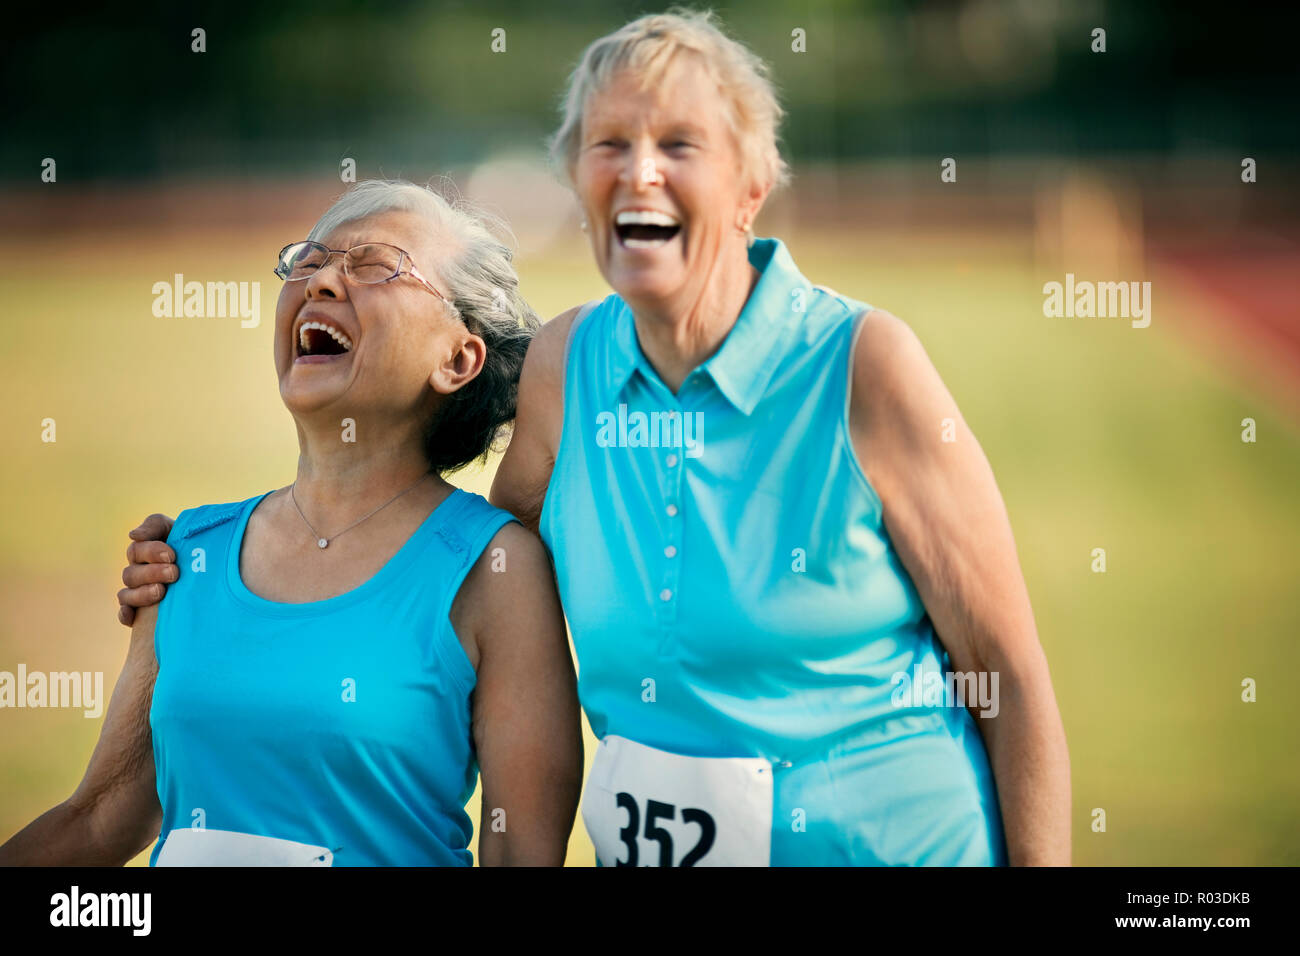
(648, 807)
(202, 847)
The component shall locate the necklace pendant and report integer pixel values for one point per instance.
(322, 543)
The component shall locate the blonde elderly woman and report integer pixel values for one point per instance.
(337, 659)
(767, 555)
(756, 528)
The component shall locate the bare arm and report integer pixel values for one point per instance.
(114, 813)
(526, 721)
(525, 469)
(946, 517)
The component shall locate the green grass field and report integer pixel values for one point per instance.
(1100, 436)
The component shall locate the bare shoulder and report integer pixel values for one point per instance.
(894, 381)
(539, 415)
(545, 357)
(901, 415)
(888, 355)
(514, 561)
(512, 580)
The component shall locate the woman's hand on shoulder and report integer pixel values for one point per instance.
(149, 569)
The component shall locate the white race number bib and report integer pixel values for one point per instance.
(189, 846)
(648, 807)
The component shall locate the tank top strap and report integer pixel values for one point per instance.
(193, 521)
(465, 532)
(470, 526)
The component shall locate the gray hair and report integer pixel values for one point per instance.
(485, 295)
(648, 46)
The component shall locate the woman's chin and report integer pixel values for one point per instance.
(647, 287)
(302, 397)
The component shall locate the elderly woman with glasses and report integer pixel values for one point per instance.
(802, 631)
(337, 659)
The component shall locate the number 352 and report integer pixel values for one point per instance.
(654, 812)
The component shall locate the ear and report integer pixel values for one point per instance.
(753, 198)
(460, 366)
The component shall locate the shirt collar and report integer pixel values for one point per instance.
(745, 362)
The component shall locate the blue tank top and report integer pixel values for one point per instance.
(342, 723)
(725, 543)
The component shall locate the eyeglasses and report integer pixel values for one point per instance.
(369, 263)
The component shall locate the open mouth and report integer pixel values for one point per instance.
(643, 229)
(321, 340)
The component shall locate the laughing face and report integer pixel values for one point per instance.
(390, 347)
(659, 177)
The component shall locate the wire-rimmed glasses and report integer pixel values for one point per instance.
(368, 263)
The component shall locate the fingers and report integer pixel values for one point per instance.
(150, 568)
(144, 596)
(141, 575)
(156, 527)
(149, 552)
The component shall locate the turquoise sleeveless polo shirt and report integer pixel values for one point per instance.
(724, 546)
(342, 723)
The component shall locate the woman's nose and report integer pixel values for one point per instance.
(642, 170)
(327, 281)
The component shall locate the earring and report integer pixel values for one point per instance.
(583, 225)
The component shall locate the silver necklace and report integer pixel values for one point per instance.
(323, 542)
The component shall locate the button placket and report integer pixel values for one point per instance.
(670, 465)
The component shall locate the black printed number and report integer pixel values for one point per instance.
(628, 833)
(656, 810)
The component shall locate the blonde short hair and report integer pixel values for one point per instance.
(648, 46)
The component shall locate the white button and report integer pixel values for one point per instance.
(672, 461)
(665, 595)
(670, 552)
(672, 511)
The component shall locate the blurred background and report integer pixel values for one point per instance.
(1123, 165)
